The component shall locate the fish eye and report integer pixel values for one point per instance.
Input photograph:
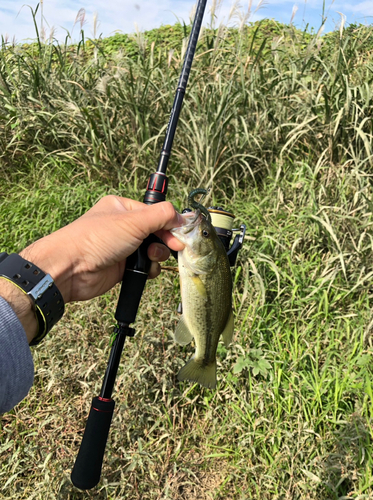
(205, 233)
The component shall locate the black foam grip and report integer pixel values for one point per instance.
(130, 295)
(134, 280)
(87, 469)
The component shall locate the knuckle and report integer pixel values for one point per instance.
(110, 202)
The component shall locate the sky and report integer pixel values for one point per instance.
(122, 15)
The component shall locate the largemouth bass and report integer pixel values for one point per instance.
(206, 292)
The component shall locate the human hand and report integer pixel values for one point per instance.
(87, 257)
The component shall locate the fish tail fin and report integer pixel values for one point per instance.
(196, 372)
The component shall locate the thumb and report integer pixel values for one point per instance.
(159, 216)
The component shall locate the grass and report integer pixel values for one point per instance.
(303, 429)
(265, 93)
(284, 129)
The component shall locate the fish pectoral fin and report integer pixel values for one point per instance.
(227, 333)
(182, 333)
(201, 289)
(197, 372)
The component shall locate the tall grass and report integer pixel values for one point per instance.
(256, 94)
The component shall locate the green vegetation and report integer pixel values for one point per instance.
(279, 123)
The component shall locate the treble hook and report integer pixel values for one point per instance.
(197, 206)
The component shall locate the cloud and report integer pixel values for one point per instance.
(363, 8)
(116, 15)
(121, 15)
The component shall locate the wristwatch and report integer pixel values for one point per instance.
(39, 286)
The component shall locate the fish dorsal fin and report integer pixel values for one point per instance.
(227, 333)
(182, 333)
(200, 286)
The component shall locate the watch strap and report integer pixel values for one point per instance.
(39, 286)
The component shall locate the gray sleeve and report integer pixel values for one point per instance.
(16, 364)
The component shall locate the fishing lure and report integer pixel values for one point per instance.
(197, 206)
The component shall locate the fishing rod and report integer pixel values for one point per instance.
(87, 468)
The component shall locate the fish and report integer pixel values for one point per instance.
(206, 294)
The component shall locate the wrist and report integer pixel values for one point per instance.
(52, 259)
(32, 294)
(22, 306)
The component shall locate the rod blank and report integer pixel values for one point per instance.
(183, 80)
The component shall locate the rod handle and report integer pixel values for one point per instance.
(87, 468)
(134, 281)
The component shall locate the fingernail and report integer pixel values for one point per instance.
(158, 252)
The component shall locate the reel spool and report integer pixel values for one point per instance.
(223, 224)
(222, 220)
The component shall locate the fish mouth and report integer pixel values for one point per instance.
(195, 217)
(191, 221)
